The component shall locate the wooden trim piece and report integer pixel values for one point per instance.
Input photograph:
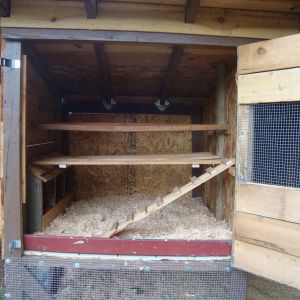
(131, 127)
(23, 126)
(115, 246)
(280, 53)
(191, 9)
(138, 159)
(123, 36)
(269, 201)
(269, 233)
(151, 18)
(11, 148)
(220, 117)
(267, 263)
(45, 173)
(57, 210)
(266, 87)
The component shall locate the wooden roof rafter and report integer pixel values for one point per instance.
(104, 74)
(171, 69)
(191, 9)
(90, 8)
(4, 8)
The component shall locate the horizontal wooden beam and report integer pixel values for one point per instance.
(152, 18)
(128, 108)
(270, 233)
(267, 87)
(123, 36)
(267, 263)
(281, 53)
(175, 100)
(288, 6)
(131, 127)
(4, 8)
(90, 8)
(96, 245)
(191, 9)
(280, 203)
(138, 159)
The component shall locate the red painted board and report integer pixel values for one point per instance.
(114, 246)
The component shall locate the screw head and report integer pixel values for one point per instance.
(77, 265)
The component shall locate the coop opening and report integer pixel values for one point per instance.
(129, 140)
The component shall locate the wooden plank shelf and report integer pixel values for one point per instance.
(131, 127)
(195, 158)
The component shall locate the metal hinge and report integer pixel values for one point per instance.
(10, 63)
(14, 244)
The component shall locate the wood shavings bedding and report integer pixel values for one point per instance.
(182, 219)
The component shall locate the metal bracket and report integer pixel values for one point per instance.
(109, 103)
(162, 106)
(10, 63)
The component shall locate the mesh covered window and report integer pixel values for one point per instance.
(272, 142)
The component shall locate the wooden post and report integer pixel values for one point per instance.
(197, 139)
(220, 146)
(34, 204)
(13, 232)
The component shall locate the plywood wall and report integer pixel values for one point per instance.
(210, 140)
(96, 181)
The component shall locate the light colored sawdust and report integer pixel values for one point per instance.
(182, 219)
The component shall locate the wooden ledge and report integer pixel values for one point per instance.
(138, 159)
(131, 127)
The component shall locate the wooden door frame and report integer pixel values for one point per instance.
(13, 221)
(12, 38)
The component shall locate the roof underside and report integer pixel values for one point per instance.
(136, 71)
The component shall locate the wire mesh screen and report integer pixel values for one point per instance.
(41, 278)
(269, 143)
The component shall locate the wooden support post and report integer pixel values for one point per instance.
(34, 204)
(13, 233)
(91, 8)
(197, 138)
(220, 146)
(191, 9)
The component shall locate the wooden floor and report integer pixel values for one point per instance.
(197, 158)
(131, 127)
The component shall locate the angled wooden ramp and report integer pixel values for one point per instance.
(174, 195)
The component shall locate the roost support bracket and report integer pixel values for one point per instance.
(10, 63)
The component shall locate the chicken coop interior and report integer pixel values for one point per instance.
(128, 140)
